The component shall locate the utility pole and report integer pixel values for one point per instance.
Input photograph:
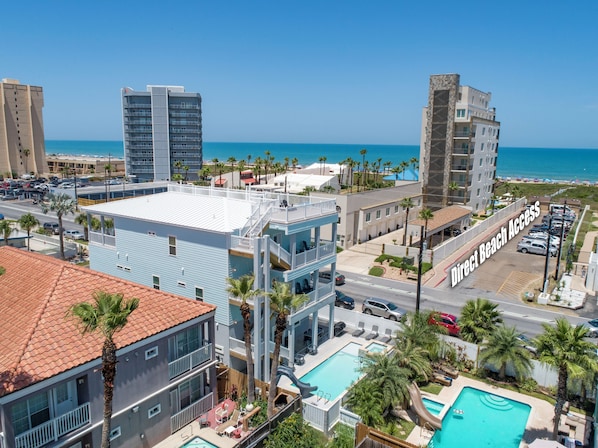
(546, 279)
(558, 259)
(76, 197)
(419, 269)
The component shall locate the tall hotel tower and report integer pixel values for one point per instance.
(162, 133)
(459, 145)
(22, 146)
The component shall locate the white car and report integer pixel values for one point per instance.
(73, 234)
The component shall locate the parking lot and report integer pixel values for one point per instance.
(508, 273)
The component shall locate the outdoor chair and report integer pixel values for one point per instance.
(360, 330)
(373, 334)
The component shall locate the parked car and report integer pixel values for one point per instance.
(344, 301)
(73, 234)
(535, 247)
(51, 227)
(527, 344)
(10, 197)
(383, 308)
(592, 327)
(339, 279)
(445, 320)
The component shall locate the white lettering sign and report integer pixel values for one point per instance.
(485, 250)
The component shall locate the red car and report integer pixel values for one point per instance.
(445, 320)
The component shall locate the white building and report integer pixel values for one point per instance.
(459, 145)
(190, 239)
(298, 183)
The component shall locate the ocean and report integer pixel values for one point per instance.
(563, 164)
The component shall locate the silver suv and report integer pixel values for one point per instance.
(535, 247)
(383, 308)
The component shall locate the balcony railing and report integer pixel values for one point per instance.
(55, 428)
(102, 239)
(190, 413)
(317, 253)
(190, 361)
(315, 296)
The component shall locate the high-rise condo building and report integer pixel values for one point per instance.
(22, 146)
(162, 133)
(459, 145)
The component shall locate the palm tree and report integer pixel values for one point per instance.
(232, 160)
(413, 162)
(242, 289)
(403, 166)
(186, 169)
(220, 167)
(177, 177)
(565, 347)
(178, 165)
(322, 161)
(81, 219)
(453, 186)
(282, 302)
(425, 214)
(26, 152)
(61, 204)
(391, 379)
(240, 168)
(365, 399)
(6, 228)
(406, 204)
(27, 222)
(294, 162)
(479, 319)
(415, 330)
(108, 314)
(503, 347)
(414, 359)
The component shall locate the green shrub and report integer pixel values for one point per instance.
(529, 385)
(426, 267)
(376, 271)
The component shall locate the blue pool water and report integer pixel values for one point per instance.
(374, 347)
(336, 374)
(486, 420)
(433, 406)
(198, 442)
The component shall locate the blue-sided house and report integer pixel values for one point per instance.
(190, 239)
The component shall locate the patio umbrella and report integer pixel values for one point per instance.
(541, 443)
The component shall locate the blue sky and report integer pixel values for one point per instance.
(310, 71)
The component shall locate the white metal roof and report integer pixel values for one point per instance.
(216, 214)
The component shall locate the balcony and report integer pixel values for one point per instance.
(55, 428)
(462, 134)
(102, 239)
(190, 413)
(190, 361)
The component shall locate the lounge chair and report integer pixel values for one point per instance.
(373, 334)
(360, 330)
(387, 336)
(234, 420)
(449, 371)
(440, 378)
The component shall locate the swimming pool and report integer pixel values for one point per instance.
(434, 407)
(479, 418)
(198, 442)
(336, 374)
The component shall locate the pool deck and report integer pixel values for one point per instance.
(539, 423)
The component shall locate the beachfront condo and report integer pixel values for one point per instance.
(22, 147)
(162, 133)
(190, 240)
(459, 145)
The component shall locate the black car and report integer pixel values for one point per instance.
(344, 300)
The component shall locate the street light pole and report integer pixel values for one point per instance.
(419, 270)
(76, 197)
(558, 260)
(546, 279)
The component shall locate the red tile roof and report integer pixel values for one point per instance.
(40, 341)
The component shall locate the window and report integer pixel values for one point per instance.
(460, 113)
(172, 245)
(156, 281)
(31, 413)
(478, 192)
(183, 343)
(396, 209)
(151, 353)
(482, 147)
(199, 293)
(190, 392)
(377, 214)
(483, 130)
(368, 217)
(387, 211)
(115, 433)
(154, 411)
(481, 162)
